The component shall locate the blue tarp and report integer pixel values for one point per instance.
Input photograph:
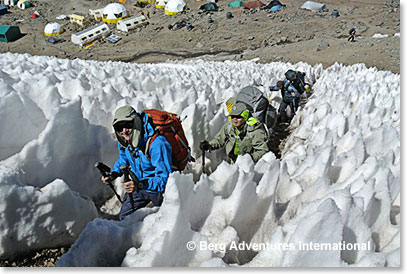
(3, 10)
(275, 8)
(275, 5)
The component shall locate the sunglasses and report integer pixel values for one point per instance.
(119, 126)
(235, 117)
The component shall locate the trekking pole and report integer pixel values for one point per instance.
(203, 161)
(105, 171)
(126, 173)
(139, 185)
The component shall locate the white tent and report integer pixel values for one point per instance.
(114, 12)
(10, 2)
(314, 6)
(53, 29)
(174, 7)
(160, 4)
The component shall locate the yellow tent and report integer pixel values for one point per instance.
(53, 29)
(174, 6)
(114, 12)
(160, 4)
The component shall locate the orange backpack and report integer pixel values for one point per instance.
(169, 125)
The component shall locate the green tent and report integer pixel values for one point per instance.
(9, 33)
(235, 4)
(27, 4)
(209, 7)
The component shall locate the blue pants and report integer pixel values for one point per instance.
(283, 113)
(141, 199)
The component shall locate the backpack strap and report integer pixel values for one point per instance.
(150, 140)
(189, 158)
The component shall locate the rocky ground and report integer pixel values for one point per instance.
(288, 35)
(44, 257)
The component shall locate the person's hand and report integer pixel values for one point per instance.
(204, 145)
(129, 186)
(107, 180)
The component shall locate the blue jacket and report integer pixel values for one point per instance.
(288, 88)
(153, 173)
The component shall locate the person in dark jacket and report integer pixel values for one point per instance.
(290, 97)
(132, 131)
(352, 33)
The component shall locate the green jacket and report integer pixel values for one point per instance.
(251, 138)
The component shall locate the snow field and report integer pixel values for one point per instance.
(338, 179)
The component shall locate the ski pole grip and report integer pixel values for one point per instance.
(126, 173)
(104, 169)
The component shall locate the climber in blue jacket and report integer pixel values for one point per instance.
(132, 130)
(290, 97)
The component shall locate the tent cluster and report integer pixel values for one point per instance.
(114, 13)
(274, 5)
(171, 7)
(22, 4)
(12, 33)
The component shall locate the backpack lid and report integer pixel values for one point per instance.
(255, 101)
(290, 75)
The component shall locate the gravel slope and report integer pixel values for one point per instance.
(289, 35)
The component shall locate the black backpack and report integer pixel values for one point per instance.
(297, 79)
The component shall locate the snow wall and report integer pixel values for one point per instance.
(337, 183)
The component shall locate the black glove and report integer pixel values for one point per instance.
(204, 145)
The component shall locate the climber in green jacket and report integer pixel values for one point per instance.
(240, 135)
